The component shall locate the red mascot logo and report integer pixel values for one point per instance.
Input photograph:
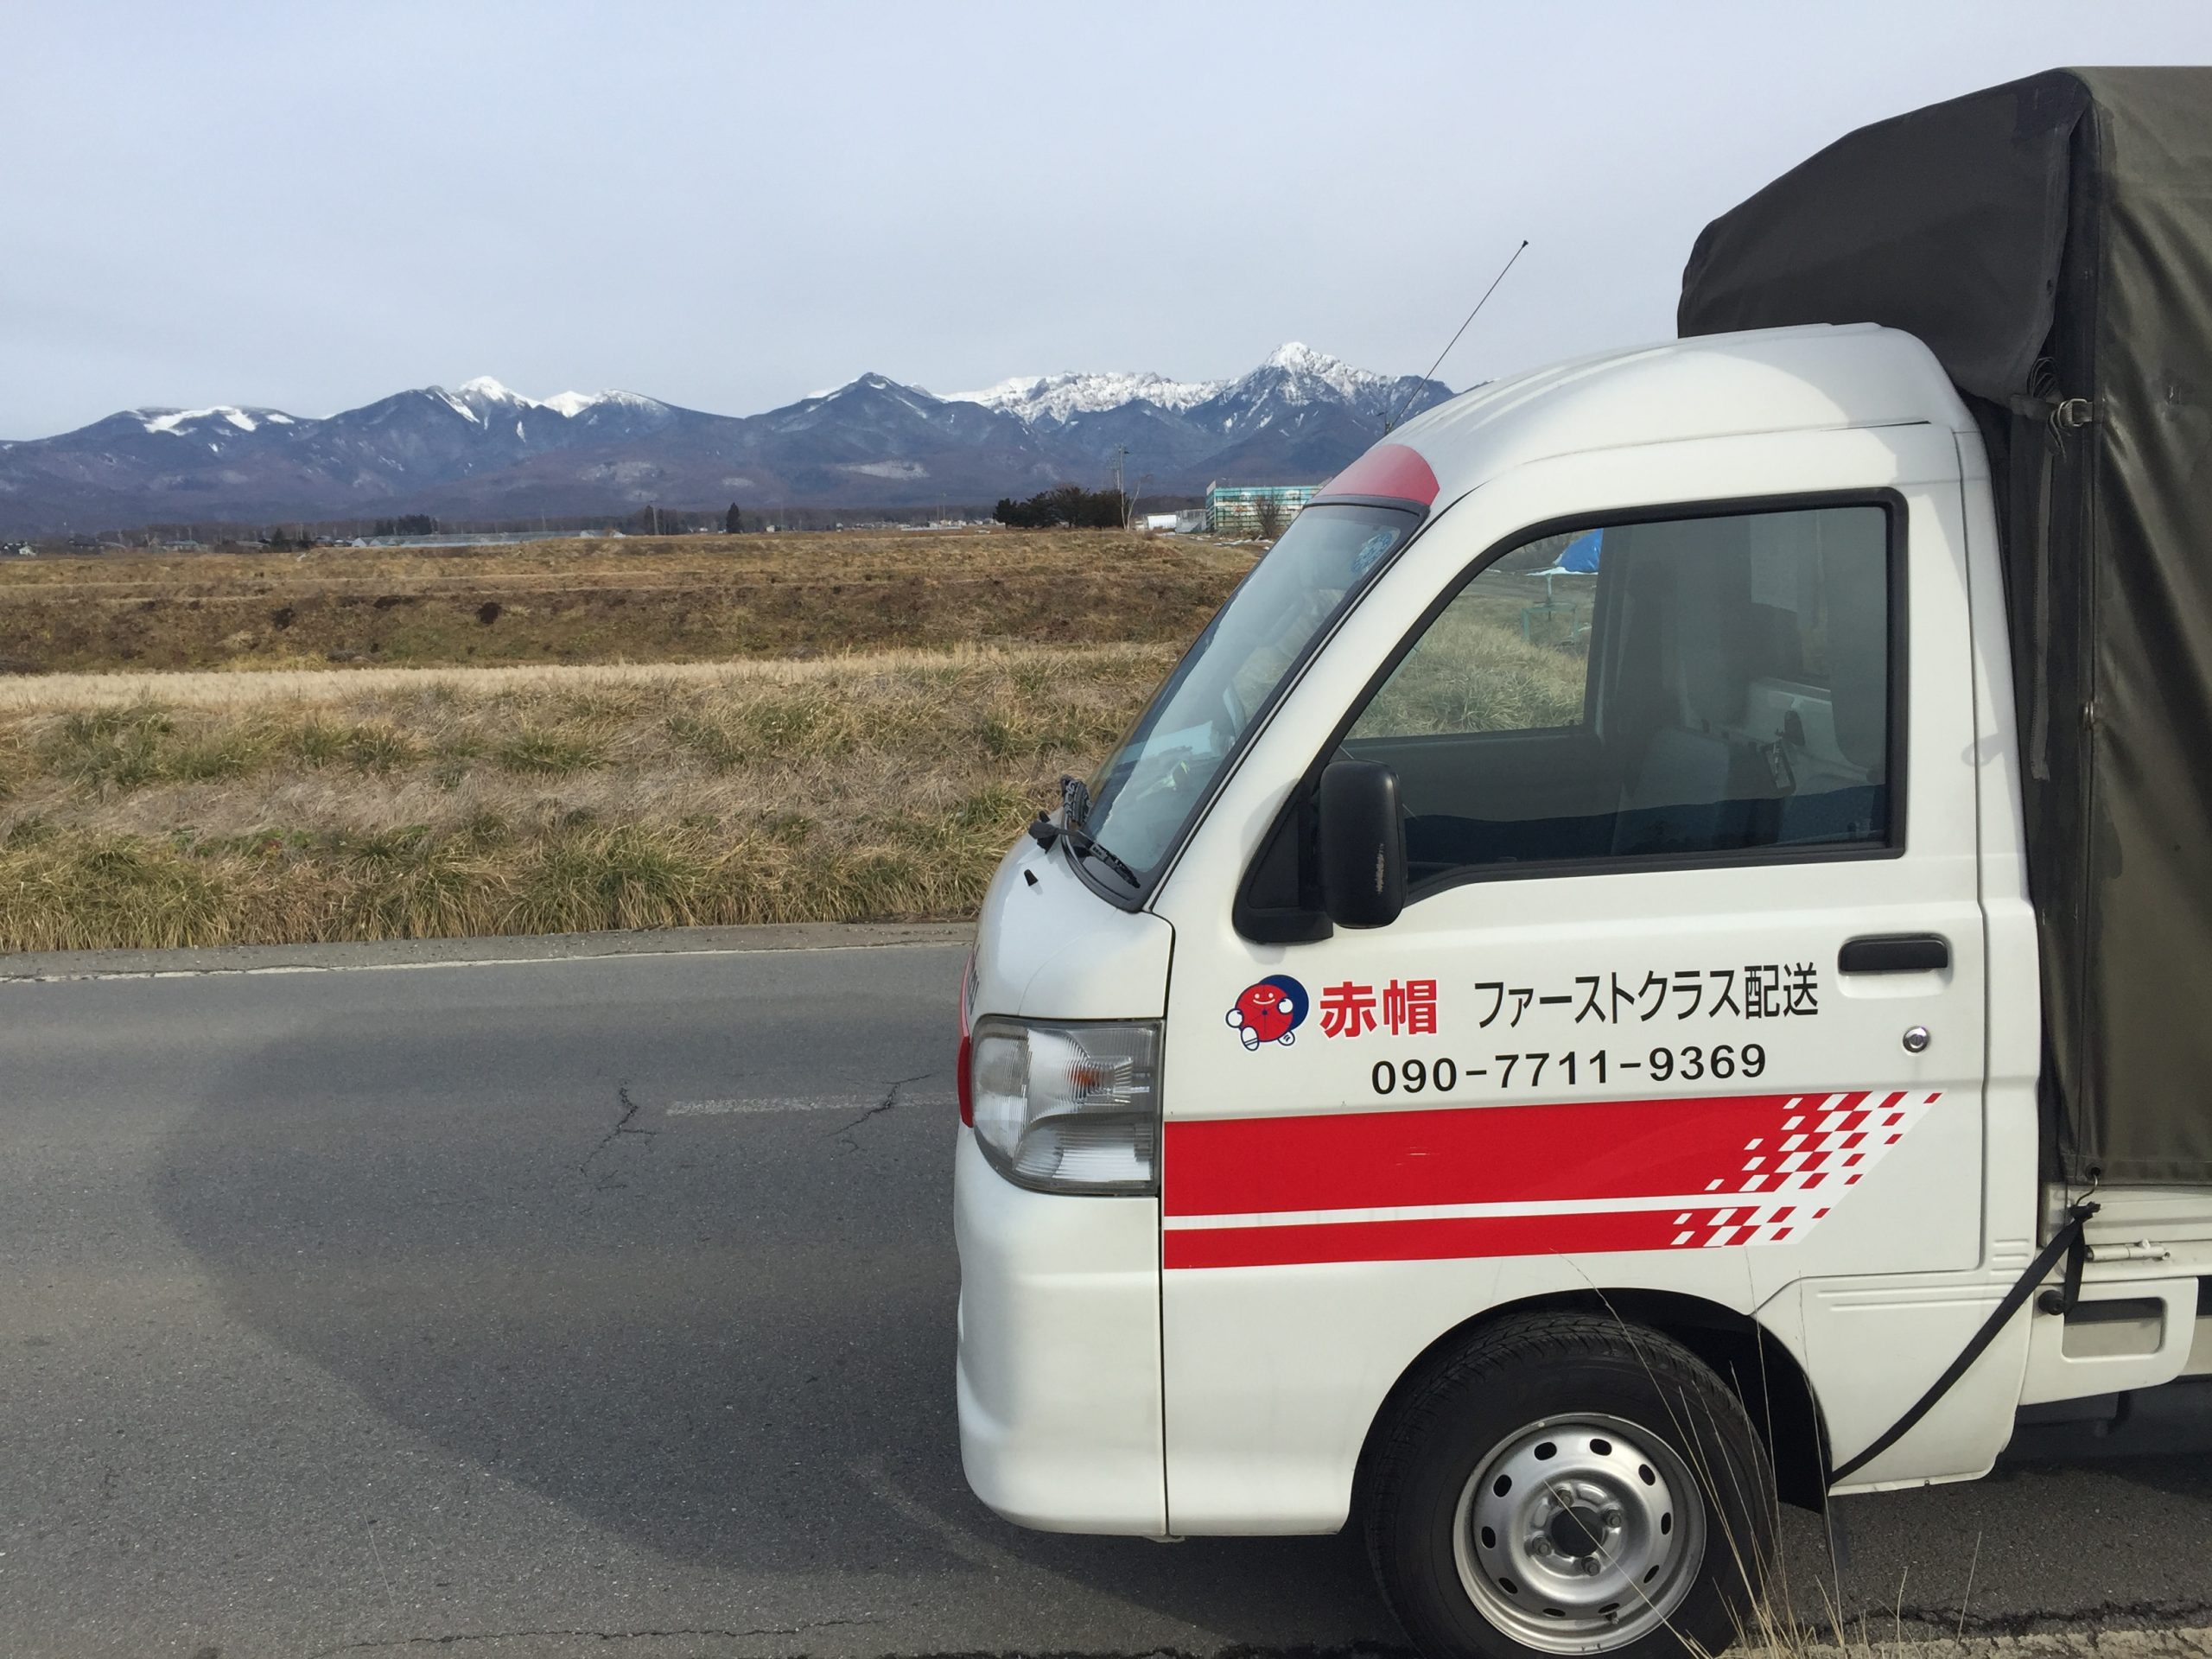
(1268, 1012)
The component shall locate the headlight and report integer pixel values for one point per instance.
(1068, 1108)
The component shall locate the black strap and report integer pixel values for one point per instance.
(2068, 1241)
(2076, 1256)
(2032, 527)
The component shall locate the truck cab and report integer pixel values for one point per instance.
(1532, 1044)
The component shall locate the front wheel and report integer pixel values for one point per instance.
(1570, 1484)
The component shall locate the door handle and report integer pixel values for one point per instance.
(1894, 953)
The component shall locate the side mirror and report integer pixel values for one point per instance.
(1360, 841)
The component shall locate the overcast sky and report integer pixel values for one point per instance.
(729, 207)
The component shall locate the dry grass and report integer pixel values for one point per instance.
(439, 804)
(555, 737)
(637, 599)
(221, 688)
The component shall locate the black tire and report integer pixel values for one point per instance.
(1557, 1386)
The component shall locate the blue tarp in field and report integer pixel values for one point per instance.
(1580, 555)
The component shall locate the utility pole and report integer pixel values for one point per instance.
(1120, 494)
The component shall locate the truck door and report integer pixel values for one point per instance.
(1686, 994)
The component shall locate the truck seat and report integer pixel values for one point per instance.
(1689, 790)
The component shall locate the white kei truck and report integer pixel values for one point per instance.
(1654, 954)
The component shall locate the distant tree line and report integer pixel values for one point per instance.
(682, 521)
(650, 520)
(1070, 506)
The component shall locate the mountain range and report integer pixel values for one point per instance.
(483, 451)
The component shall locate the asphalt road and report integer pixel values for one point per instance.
(604, 1307)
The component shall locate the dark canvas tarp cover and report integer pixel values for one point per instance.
(2051, 241)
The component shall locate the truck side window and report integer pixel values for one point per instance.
(1679, 687)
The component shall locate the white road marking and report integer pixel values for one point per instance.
(753, 1107)
(738, 1107)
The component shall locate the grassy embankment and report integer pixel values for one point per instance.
(865, 787)
(798, 778)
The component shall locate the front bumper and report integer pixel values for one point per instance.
(1058, 1372)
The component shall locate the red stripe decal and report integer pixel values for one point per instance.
(1711, 1172)
(1502, 1154)
(1422, 1241)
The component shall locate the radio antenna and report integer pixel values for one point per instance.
(1454, 341)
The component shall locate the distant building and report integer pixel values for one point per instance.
(1160, 520)
(1191, 521)
(1255, 508)
(22, 550)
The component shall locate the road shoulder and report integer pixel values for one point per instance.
(2055, 1644)
(61, 965)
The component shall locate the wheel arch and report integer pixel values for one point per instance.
(1777, 1396)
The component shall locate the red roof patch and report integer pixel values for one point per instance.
(1389, 469)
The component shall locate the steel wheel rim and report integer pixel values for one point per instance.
(1579, 1534)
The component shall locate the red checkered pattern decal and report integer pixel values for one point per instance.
(1572, 1178)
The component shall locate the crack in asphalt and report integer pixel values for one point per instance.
(844, 1136)
(457, 1638)
(621, 1127)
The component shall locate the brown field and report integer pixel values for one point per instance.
(367, 804)
(562, 736)
(640, 599)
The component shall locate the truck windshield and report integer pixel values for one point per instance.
(1142, 797)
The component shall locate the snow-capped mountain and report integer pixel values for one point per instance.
(1303, 413)
(484, 450)
(484, 399)
(1297, 387)
(1054, 398)
(1293, 374)
(1298, 366)
(194, 423)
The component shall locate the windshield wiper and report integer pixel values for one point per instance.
(1075, 807)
